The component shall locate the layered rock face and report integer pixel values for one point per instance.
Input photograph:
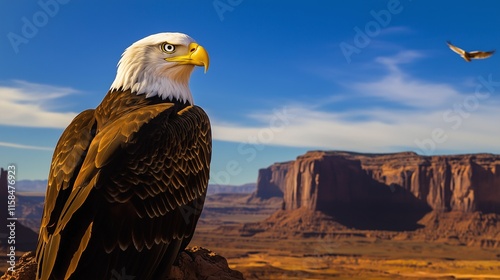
(271, 180)
(401, 181)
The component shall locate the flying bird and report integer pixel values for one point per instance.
(470, 55)
(128, 179)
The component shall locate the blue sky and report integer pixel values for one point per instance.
(285, 76)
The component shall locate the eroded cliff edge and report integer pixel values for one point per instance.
(333, 180)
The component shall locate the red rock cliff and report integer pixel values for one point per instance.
(270, 180)
(327, 180)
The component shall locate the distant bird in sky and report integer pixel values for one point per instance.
(470, 55)
(128, 179)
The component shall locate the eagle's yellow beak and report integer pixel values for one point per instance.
(197, 55)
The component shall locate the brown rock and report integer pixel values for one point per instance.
(201, 264)
(322, 180)
(25, 268)
(192, 264)
(269, 180)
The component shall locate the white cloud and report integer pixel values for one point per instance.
(384, 131)
(403, 57)
(441, 118)
(411, 92)
(26, 147)
(398, 87)
(29, 105)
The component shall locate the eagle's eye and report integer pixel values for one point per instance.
(168, 48)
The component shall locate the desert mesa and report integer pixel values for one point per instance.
(329, 180)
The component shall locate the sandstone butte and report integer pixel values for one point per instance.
(330, 181)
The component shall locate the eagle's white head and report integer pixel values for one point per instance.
(160, 65)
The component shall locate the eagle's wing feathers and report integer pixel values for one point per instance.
(481, 54)
(146, 170)
(455, 48)
(175, 179)
(68, 157)
(161, 189)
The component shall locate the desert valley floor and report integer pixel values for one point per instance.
(264, 242)
(280, 248)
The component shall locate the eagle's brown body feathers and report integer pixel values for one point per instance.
(126, 188)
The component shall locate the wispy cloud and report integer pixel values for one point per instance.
(398, 87)
(26, 147)
(385, 131)
(30, 105)
(395, 30)
(404, 57)
(419, 108)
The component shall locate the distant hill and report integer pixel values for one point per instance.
(39, 186)
(31, 186)
(246, 188)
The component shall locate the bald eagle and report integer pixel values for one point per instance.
(128, 179)
(470, 55)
